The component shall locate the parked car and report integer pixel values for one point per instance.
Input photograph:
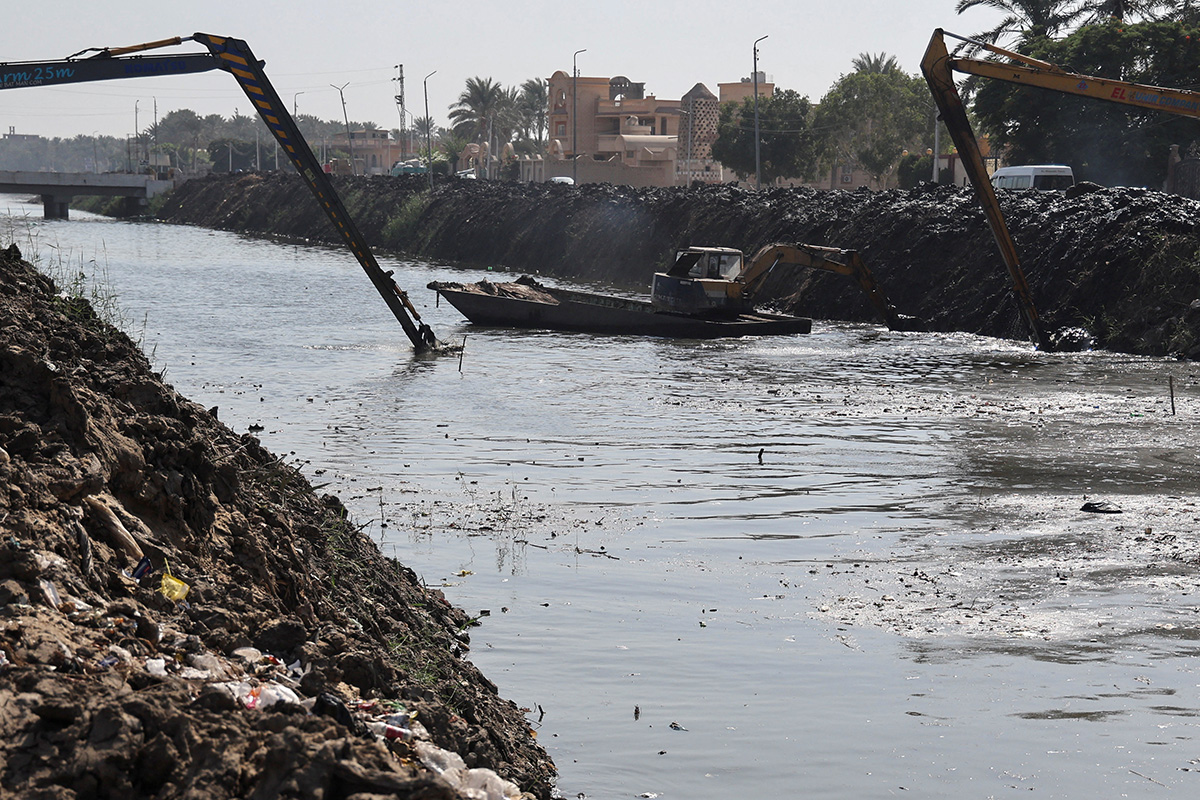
(1046, 177)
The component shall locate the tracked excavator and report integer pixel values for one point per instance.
(939, 66)
(232, 56)
(716, 281)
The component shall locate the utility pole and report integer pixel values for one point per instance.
(428, 132)
(399, 79)
(575, 116)
(349, 137)
(137, 136)
(757, 157)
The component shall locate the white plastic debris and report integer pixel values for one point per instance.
(251, 655)
(474, 784)
(157, 667)
(272, 693)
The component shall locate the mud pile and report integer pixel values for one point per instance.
(299, 663)
(1122, 264)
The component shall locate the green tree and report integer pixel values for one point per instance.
(787, 146)
(532, 105)
(869, 118)
(1107, 143)
(1103, 11)
(1024, 18)
(478, 108)
(452, 144)
(880, 64)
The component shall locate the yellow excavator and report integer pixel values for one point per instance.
(232, 56)
(718, 281)
(939, 66)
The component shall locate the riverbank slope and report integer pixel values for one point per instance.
(299, 663)
(1121, 264)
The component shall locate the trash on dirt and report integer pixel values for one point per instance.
(1100, 507)
(51, 592)
(173, 588)
(142, 569)
(157, 667)
(251, 655)
(264, 696)
(483, 783)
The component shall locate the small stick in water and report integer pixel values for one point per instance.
(1171, 383)
(462, 350)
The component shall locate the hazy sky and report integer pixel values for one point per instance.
(309, 45)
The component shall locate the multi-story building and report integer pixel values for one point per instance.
(609, 129)
(374, 150)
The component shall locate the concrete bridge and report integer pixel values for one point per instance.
(57, 188)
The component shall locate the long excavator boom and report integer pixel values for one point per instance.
(233, 56)
(829, 259)
(939, 66)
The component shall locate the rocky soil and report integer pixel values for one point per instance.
(300, 662)
(1122, 265)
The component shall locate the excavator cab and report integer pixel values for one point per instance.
(707, 262)
(701, 281)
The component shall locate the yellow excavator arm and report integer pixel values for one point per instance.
(829, 259)
(232, 56)
(939, 66)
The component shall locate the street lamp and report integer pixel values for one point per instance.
(294, 96)
(757, 157)
(349, 138)
(575, 116)
(95, 159)
(428, 132)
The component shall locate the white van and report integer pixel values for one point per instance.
(1046, 177)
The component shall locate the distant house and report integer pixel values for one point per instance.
(374, 150)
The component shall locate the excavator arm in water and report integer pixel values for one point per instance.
(939, 66)
(232, 56)
(829, 259)
(717, 280)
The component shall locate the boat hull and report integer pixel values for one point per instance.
(529, 305)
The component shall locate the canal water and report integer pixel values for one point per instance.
(848, 564)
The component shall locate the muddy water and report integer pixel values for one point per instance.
(851, 564)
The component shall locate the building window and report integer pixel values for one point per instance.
(561, 130)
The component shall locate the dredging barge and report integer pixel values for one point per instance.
(525, 303)
(707, 293)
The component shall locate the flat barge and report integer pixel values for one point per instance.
(525, 303)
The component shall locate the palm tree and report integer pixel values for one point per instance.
(1123, 10)
(881, 64)
(1025, 18)
(478, 107)
(1184, 11)
(423, 126)
(532, 106)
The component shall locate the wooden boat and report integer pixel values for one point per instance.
(525, 303)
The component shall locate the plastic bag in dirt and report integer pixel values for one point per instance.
(476, 784)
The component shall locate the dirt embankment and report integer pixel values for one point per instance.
(300, 663)
(1122, 264)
